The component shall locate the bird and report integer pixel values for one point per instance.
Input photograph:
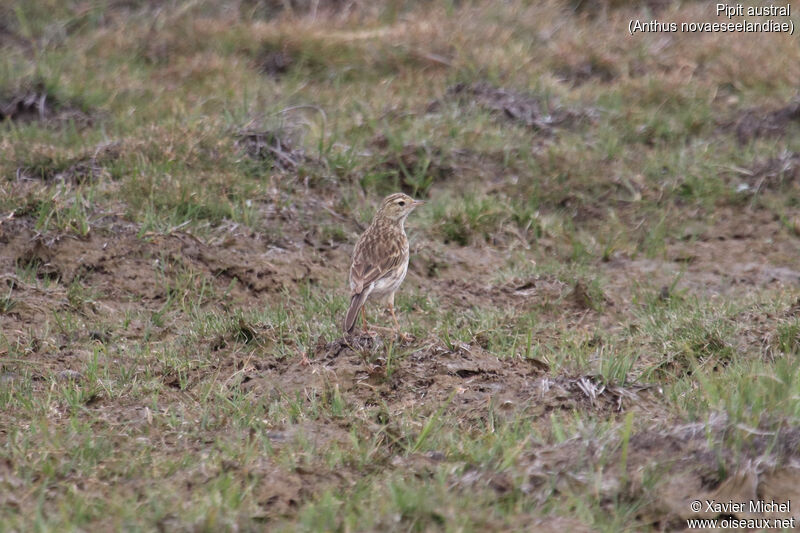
(380, 259)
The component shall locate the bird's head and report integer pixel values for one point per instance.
(397, 206)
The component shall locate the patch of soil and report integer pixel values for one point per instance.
(88, 167)
(760, 122)
(274, 147)
(461, 377)
(36, 104)
(281, 493)
(100, 278)
(255, 271)
(120, 264)
(534, 291)
(521, 108)
(541, 292)
(753, 250)
(736, 252)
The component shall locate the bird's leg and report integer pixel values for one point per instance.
(367, 327)
(394, 317)
(403, 336)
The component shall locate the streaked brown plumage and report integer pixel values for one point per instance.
(380, 258)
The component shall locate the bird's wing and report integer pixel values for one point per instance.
(372, 261)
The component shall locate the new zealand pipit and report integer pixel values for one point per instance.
(380, 258)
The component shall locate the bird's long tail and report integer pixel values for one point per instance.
(356, 303)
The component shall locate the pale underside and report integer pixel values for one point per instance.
(383, 289)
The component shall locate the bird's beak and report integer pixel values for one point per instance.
(418, 203)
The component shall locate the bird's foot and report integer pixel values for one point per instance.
(383, 331)
(397, 332)
(405, 337)
(379, 329)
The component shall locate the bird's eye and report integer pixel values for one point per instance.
(401, 202)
